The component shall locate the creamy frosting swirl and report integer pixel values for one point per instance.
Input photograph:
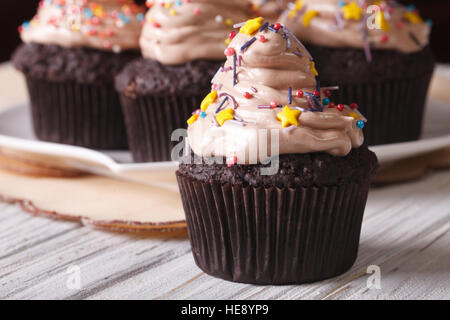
(270, 9)
(177, 32)
(113, 25)
(357, 24)
(268, 83)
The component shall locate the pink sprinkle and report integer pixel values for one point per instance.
(229, 52)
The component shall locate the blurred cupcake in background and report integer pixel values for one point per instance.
(71, 53)
(270, 9)
(183, 45)
(377, 52)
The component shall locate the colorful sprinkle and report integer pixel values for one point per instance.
(252, 26)
(288, 117)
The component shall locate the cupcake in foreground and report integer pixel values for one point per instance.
(182, 45)
(283, 198)
(71, 53)
(377, 54)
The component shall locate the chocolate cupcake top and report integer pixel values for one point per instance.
(112, 25)
(268, 91)
(270, 9)
(176, 32)
(358, 24)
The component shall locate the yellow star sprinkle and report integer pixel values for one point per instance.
(224, 116)
(352, 11)
(192, 119)
(381, 21)
(354, 115)
(294, 11)
(308, 16)
(75, 27)
(251, 26)
(313, 68)
(98, 11)
(210, 98)
(288, 117)
(413, 17)
(298, 5)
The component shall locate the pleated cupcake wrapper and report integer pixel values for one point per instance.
(83, 115)
(394, 108)
(151, 120)
(271, 235)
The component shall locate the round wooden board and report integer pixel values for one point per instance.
(95, 201)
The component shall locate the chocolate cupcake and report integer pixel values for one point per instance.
(182, 45)
(71, 53)
(377, 54)
(276, 188)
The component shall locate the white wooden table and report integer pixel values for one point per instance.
(405, 233)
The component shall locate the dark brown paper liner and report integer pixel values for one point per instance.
(83, 115)
(394, 108)
(151, 120)
(270, 235)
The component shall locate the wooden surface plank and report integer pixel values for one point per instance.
(405, 233)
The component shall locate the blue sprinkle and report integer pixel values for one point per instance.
(264, 27)
(88, 13)
(234, 70)
(317, 102)
(326, 101)
(221, 105)
(140, 17)
(360, 124)
(203, 114)
(248, 44)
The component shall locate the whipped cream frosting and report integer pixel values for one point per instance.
(358, 24)
(112, 25)
(270, 9)
(176, 32)
(269, 83)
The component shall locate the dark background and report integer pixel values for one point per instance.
(14, 12)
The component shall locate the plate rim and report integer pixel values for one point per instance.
(100, 158)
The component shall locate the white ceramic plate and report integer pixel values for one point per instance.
(16, 133)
